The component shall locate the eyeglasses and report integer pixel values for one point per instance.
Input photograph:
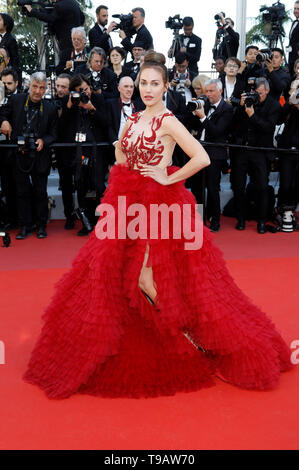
(232, 66)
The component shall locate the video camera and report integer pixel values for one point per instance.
(252, 96)
(78, 97)
(174, 22)
(125, 24)
(46, 4)
(274, 14)
(197, 104)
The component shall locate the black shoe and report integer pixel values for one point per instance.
(69, 224)
(214, 226)
(240, 224)
(23, 233)
(83, 232)
(41, 233)
(261, 227)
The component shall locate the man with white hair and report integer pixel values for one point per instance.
(71, 59)
(30, 121)
(213, 123)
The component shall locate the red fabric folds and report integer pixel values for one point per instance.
(101, 337)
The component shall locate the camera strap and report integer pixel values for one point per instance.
(35, 112)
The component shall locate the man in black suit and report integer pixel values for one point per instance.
(214, 121)
(230, 42)
(34, 118)
(8, 41)
(65, 15)
(86, 121)
(103, 80)
(99, 35)
(278, 78)
(71, 59)
(190, 43)
(131, 69)
(293, 47)
(142, 32)
(257, 129)
(181, 77)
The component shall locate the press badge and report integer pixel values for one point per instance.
(80, 137)
(192, 45)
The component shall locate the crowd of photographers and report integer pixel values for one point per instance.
(254, 103)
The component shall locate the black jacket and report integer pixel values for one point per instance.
(142, 35)
(114, 111)
(230, 44)
(131, 69)
(64, 56)
(238, 89)
(14, 113)
(177, 105)
(9, 42)
(217, 128)
(65, 15)
(279, 81)
(108, 81)
(99, 39)
(290, 135)
(193, 50)
(294, 43)
(252, 70)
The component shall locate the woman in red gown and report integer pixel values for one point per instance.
(144, 316)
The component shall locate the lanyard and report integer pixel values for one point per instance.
(34, 112)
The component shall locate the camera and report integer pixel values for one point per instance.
(197, 104)
(275, 13)
(78, 97)
(252, 96)
(217, 17)
(125, 24)
(174, 22)
(264, 55)
(26, 143)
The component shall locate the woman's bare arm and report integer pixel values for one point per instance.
(119, 154)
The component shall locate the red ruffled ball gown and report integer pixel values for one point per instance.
(102, 337)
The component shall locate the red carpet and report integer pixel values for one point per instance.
(222, 417)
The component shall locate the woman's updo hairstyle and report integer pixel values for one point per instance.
(153, 59)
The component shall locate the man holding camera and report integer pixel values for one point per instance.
(142, 33)
(293, 47)
(30, 121)
(62, 18)
(230, 42)
(99, 35)
(190, 43)
(71, 59)
(258, 114)
(278, 78)
(181, 77)
(84, 120)
(103, 80)
(213, 122)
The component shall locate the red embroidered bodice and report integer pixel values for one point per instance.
(143, 149)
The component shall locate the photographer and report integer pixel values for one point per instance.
(62, 18)
(131, 69)
(8, 41)
(232, 83)
(213, 121)
(99, 35)
(180, 78)
(71, 59)
(30, 121)
(250, 67)
(278, 78)
(9, 78)
(293, 47)
(102, 79)
(230, 43)
(84, 119)
(142, 33)
(190, 43)
(258, 114)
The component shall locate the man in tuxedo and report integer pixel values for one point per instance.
(120, 109)
(190, 43)
(65, 15)
(293, 47)
(99, 35)
(71, 59)
(278, 78)
(9, 43)
(33, 118)
(257, 126)
(103, 80)
(142, 33)
(131, 69)
(214, 121)
(181, 77)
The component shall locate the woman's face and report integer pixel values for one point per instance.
(151, 86)
(115, 58)
(198, 91)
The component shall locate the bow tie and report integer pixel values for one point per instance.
(213, 107)
(126, 104)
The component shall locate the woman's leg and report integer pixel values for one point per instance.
(146, 280)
